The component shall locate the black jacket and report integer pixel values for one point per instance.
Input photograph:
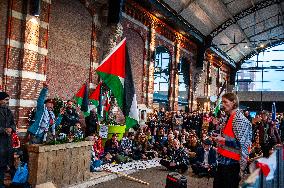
(91, 124)
(212, 158)
(6, 150)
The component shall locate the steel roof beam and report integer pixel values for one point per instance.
(261, 5)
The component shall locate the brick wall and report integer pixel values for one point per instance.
(68, 31)
(69, 47)
(3, 30)
(135, 45)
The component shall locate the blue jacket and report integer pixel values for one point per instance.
(41, 109)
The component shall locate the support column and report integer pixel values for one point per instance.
(151, 63)
(174, 89)
(95, 49)
(26, 56)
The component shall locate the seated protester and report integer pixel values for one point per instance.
(191, 145)
(97, 151)
(150, 138)
(183, 139)
(178, 159)
(177, 134)
(69, 118)
(206, 161)
(91, 123)
(112, 145)
(160, 140)
(126, 144)
(76, 131)
(98, 146)
(140, 147)
(168, 147)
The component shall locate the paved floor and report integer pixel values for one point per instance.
(157, 179)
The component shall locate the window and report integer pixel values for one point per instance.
(184, 76)
(161, 75)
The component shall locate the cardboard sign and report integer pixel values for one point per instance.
(103, 131)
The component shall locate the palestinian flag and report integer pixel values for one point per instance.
(82, 99)
(217, 108)
(80, 95)
(107, 104)
(95, 96)
(115, 71)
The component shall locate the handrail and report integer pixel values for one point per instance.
(258, 180)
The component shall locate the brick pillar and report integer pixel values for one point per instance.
(147, 58)
(174, 89)
(151, 64)
(26, 61)
(95, 49)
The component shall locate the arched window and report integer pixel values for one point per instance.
(184, 76)
(161, 76)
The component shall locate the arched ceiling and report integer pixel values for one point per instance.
(238, 28)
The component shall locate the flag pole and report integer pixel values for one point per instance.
(127, 176)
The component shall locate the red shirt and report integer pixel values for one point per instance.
(15, 140)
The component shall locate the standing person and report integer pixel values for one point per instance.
(44, 118)
(281, 127)
(69, 118)
(233, 145)
(178, 121)
(91, 123)
(7, 126)
(268, 134)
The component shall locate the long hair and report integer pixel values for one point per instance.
(233, 98)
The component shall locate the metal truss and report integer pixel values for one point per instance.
(242, 14)
(225, 56)
(253, 53)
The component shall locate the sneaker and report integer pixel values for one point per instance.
(98, 169)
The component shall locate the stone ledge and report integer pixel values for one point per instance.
(37, 148)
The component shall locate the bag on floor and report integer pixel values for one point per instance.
(176, 180)
(22, 173)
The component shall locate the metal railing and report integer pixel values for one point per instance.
(258, 180)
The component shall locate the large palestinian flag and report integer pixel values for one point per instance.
(115, 71)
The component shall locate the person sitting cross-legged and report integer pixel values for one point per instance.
(178, 159)
(206, 161)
